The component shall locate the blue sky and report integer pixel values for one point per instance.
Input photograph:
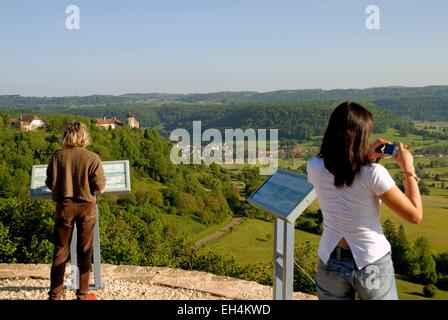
(188, 46)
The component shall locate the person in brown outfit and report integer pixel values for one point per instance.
(74, 174)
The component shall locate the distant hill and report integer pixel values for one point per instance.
(295, 120)
(414, 103)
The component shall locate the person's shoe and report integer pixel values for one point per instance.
(91, 296)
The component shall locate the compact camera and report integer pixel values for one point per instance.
(390, 149)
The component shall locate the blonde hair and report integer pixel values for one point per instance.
(75, 135)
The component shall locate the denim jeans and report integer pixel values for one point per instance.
(340, 279)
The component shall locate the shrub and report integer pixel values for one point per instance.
(442, 282)
(305, 267)
(7, 247)
(430, 290)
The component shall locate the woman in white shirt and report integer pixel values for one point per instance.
(355, 256)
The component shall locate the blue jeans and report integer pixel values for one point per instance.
(340, 279)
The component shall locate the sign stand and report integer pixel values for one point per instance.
(283, 259)
(118, 181)
(96, 255)
(286, 194)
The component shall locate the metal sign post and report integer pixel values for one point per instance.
(283, 259)
(117, 182)
(286, 194)
(97, 284)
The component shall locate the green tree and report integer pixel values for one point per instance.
(7, 247)
(402, 252)
(441, 260)
(390, 231)
(305, 268)
(425, 260)
(430, 291)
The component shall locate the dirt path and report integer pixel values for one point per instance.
(241, 189)
(220, 232)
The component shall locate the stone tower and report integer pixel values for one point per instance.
(132, 122)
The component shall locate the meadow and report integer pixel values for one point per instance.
(252, 242)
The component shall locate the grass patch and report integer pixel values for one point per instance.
(413, 291)
(252, 242)
(415, 142)
(190, 228)
(433, 225)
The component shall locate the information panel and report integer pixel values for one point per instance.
(117, 179)
(285, 194)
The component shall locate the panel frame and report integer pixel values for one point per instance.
(300, 205)
(42, 195)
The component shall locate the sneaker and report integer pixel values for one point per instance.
(91, 296)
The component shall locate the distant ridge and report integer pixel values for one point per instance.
(414, 103)
(374, 91)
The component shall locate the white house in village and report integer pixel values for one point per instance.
(27, 122)
(108, 123)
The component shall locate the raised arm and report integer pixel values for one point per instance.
(408, 205)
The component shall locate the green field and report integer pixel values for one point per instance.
(191, 229)
(431, 126)
(413, 291)
(434, 225)
(252, 241)
(415, 142)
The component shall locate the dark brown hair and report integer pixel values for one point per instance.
(345, 146)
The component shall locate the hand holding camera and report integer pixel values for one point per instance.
(399, 152)
(404, 159)
(388, 149)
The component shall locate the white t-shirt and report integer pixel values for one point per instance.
(352, 212)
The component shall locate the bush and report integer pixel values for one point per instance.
(7, 247)
(305, 266)
(442, 282)
(210, 262)
(430, 290)
(311, 222)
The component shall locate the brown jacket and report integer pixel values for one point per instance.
(75, 173)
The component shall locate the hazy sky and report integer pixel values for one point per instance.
(215, 45)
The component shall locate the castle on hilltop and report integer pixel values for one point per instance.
(107, 123)
(132, 121)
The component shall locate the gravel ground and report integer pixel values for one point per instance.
(124, 282)
(37, 289)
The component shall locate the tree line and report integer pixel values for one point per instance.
(415, 260)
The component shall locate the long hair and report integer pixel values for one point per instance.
(75, 135)
(345, 146)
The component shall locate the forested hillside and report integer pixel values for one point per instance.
(295, 120)
(132, 227)
(419, 103)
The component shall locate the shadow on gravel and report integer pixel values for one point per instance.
(23, 288)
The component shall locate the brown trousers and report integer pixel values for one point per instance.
(84, 215)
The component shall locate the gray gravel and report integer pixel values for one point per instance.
(37, 289)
